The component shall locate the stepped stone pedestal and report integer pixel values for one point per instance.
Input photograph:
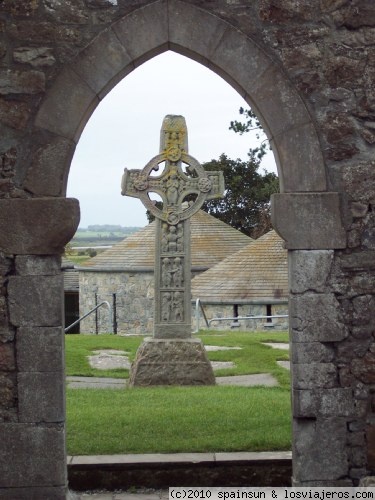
(171, 362)
(172, 356)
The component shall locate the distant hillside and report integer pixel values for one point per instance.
(99, 235)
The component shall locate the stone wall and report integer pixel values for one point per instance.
(226, 311)
(131, 297)
(133, 302)
(308, 68)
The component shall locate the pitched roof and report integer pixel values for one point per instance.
(257, 272)
(70, 275)
(211, 242)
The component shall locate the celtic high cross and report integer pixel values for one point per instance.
(183, 185)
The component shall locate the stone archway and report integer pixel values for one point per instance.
(306, 214)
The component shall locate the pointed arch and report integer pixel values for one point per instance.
(174, 25)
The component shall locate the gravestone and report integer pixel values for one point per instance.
(172, 356)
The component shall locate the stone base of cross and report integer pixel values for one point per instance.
(172, 356)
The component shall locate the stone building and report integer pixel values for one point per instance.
(251, 282)
(307, 68)
(124, 274)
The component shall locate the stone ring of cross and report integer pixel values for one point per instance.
(175, 185)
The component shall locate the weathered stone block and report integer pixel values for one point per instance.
(132, 28)
(69, 11)
(363, 308)
(69, 104)
(338, 402)
(352, 348)
(20, 7)
(185, 36)
(41, 397)
(352, 181)
(313, 375)
(39, 226)
(364, 368)
(38, 265)
(35, 301)
(312, 352)
(98, 68)
(47, 174)
(319, 450)
(304, 404)
(309, 221)
(42, 32)
(21, 82)
(316, 318)
(7, 357)
(40, 349)
(309, 270)
(36, 458)
(280, 95)
(35, 56)
(8, 391)
(6, 332)
(101, 4)
(14, 113)
(357, 457)
(356, 439)
(289, 151)
(171, 362)
(225, 59)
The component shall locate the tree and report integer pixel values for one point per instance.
(251, 123)
(246, 204)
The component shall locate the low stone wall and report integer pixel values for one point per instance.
(131, 296)
(227, 311)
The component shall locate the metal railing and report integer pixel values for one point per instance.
(104, 303)
(199, 305)
(240, 318)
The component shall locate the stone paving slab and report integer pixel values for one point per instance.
(195, 458)
(248, 380)
(96, 383)
(277, 345)
(214, 348)
(256, 379)
(107, 359)
(284, 364)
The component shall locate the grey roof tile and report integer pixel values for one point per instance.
(257, 271)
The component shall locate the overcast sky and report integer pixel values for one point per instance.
(124, 132)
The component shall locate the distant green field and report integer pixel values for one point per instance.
(97, 237)
(99, 234)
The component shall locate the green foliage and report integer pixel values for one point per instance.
(251, 123)
(246, 204)
(91, 252)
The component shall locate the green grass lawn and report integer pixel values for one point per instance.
(180, 419)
